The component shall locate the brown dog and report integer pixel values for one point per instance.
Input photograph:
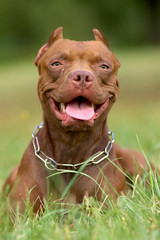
(77, 87)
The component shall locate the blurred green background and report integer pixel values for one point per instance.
(132, 28)
(25, 25)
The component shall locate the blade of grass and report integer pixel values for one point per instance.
(153, 180)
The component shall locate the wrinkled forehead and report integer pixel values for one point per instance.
(64, 48)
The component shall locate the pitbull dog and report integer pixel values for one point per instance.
(77, 87)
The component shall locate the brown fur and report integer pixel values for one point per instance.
(69, 140)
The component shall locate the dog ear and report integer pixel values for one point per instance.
(100, 37)
(57, 34)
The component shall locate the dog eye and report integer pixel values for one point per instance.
(56, 64)
(104, 66)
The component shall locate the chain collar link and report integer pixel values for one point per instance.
(51, 164)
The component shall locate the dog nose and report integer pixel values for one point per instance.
(82, 79)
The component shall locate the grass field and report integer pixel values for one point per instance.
(136, 113)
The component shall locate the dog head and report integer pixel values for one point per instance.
(77, 80)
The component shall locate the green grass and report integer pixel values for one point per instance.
(136, 113)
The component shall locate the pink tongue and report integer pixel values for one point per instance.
(80, 110)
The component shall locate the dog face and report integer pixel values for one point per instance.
(77, 80)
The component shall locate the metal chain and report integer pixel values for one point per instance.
(51, 164)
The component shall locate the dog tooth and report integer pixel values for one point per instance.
(92, 106)
(63, 108)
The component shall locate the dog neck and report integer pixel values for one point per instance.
(72, 146)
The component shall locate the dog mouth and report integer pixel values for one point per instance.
(78, 109)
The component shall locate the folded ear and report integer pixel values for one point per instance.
(57, 34)
(100, 37)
